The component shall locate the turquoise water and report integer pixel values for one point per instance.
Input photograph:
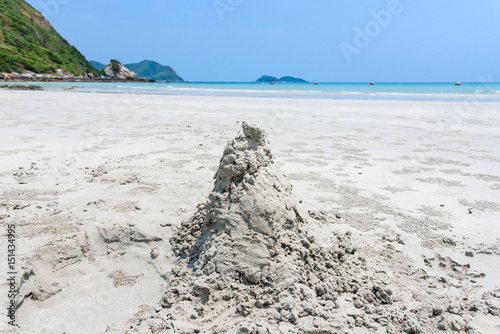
(487, 91)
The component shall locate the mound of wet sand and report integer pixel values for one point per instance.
(247, 264)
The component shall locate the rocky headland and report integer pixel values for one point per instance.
(123, 75)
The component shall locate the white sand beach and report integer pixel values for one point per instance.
(97, 184)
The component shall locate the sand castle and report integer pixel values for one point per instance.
(246, 264)
(245, 258)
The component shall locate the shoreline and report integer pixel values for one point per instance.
(465, 102)
(334, 91)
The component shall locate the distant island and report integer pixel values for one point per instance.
(286, 79)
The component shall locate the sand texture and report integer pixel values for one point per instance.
(326, 217)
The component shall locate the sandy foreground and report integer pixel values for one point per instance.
(97, 183)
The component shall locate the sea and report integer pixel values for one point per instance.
(442, 91)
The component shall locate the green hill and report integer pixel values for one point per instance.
(290, 79)
(98, 65)
(152, 70)
(267, 78)
(29, 42)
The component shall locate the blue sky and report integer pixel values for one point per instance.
(318, 40)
